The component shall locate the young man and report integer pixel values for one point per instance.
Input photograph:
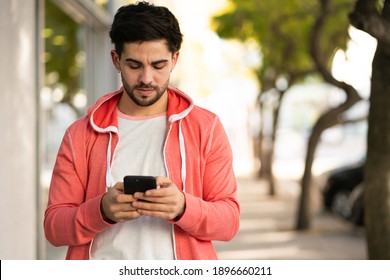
(144, 128)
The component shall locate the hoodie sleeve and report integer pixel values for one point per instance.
(215, 215)
(69, 219)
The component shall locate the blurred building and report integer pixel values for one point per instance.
(34, 100)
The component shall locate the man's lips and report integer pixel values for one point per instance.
(145, 91)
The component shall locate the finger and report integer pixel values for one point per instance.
(119, 186)
(161, 210)
(154, 207)
(162, 181)
(142, 197)
(113, 209)
(165, 190)
(125, 198)
(157, 214)
(126, 207)
(151, 203)
(143, 204)
(163, 196)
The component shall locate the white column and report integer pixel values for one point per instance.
(18, 122)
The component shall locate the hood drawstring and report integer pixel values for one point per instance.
(110, 130)
(179, 117)
(108, 170)
(183, 157)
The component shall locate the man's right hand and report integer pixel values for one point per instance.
(115, 206)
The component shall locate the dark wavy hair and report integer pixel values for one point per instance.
(142, 22)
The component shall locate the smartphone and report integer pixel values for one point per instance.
(133, 184)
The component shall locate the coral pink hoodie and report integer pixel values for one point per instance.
(198, 160)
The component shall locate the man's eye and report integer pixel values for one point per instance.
(134, 66)
(159, 66)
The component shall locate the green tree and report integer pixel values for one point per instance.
(280, 28)
(373, 17)
(297, 38)
(63, 56)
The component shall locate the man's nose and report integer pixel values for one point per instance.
(146, 76)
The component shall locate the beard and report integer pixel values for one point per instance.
(145, 101)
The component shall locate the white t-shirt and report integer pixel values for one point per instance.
(139, 152)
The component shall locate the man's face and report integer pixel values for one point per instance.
(145, 70)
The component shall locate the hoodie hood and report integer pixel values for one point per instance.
(102, 115)
(103, 119)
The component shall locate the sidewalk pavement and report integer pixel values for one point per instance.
(267, 228)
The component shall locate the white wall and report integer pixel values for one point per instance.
(18, 206)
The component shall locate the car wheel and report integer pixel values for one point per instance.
(340, 205)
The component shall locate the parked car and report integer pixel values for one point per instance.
(356, 204)
(339, 186)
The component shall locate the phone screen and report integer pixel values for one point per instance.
(133, 184)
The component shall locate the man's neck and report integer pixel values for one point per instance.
(128, 107)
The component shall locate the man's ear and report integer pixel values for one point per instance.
(115, 60)
(175, 58)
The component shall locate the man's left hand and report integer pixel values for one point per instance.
(167, 202)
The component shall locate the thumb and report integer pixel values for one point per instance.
(163, 182)
(119, 186)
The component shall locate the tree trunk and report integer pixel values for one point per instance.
(275, 121)
(329, 119)
(267, 143)
(304, 210)
(377, 172)
(261, 138)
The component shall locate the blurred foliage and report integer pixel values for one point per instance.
(63, 56)
(282, 29)
(102, 3)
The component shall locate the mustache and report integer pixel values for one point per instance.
(144, 86)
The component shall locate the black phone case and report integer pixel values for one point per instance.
(133, 184)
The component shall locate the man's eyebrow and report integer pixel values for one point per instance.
(160, 61)
(139, 62)
(133, 60)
